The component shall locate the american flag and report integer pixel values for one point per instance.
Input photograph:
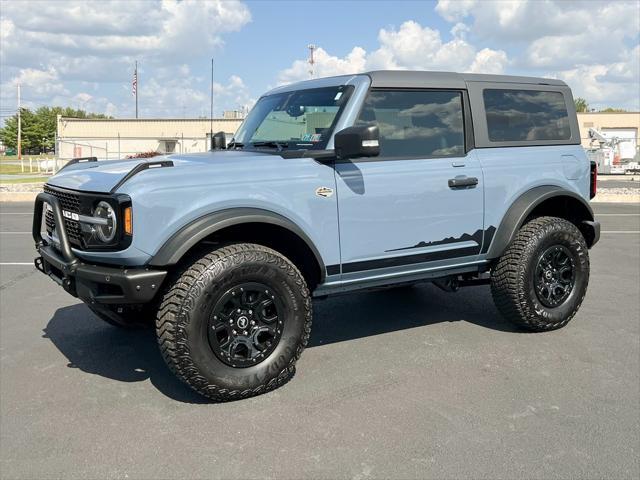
(134, 85)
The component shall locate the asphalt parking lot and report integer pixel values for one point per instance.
(408, 383)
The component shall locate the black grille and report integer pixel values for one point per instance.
(71, 203)
(68, 201)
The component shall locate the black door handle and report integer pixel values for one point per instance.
(461, 182)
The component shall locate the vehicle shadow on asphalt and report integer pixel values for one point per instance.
(359, 315)
(95, 347)
(133, 355)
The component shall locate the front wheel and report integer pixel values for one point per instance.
(235, 322)
(541, 279)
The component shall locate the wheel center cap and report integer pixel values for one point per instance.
(242, 322)
(548, 274)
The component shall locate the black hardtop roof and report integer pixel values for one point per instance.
(417, 79)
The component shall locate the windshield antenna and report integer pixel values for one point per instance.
(211, 108)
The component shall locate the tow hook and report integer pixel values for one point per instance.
(450, 284)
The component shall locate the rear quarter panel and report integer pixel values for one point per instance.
(511, 171)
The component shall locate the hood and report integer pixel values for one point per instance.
(102, 176)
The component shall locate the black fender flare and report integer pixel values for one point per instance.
(522, 207)
(195, 231)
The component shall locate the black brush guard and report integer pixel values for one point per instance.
(94, 284)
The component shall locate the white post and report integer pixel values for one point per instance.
(30, 164)
(22, 165)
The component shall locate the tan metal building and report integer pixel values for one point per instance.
(117, 138)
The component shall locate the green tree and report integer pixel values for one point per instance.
(613, 110)
(39, 126)
(581, 105)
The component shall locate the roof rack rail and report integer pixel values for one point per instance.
(139, 168)
(79, 160)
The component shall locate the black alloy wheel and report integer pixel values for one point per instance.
(555, 276)
(245, 324)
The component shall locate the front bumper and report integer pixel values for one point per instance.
(91, 283)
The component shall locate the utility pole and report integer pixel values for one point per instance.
(211, 108)
(19, 127)
(311, 60)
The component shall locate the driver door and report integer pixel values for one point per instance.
(399, 211)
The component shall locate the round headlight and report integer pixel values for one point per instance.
(106, 231)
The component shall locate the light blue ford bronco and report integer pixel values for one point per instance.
(332, 185)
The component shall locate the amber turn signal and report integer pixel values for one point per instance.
(128, 222)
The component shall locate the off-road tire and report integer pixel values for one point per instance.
(125, 317)
(183, 321)
(512, 278)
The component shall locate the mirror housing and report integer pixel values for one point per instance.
(219, 141)
(355, 142)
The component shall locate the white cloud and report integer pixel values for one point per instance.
(410, 47)
(52, 48)
(605, 85)
(574, 28)
(177, 96)
(325, 65)
(489, 61)
(592, 45)
(185, 28)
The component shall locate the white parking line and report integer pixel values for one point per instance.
(620, 231)
(15, 233)
(16, 213)
(16, 263)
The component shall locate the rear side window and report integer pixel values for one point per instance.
(526, 115)
(416, 123)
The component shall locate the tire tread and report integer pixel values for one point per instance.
(171, 319)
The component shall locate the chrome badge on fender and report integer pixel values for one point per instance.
(324, 191)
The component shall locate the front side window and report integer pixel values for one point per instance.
(416, 123)
(301, 119)
(526, 115)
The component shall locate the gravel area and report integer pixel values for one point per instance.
(21, 187)
(620, 190)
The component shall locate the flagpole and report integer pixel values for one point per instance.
(136, 89)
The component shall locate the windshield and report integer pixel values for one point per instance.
(302, 119)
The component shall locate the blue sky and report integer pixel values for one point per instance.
(81, 53)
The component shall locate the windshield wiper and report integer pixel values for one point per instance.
(234, 144)
(271, 143)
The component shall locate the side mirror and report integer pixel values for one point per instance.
(219, 141)
(354, 142)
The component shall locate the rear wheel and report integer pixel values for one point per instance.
(542, 277)
(235, 322)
